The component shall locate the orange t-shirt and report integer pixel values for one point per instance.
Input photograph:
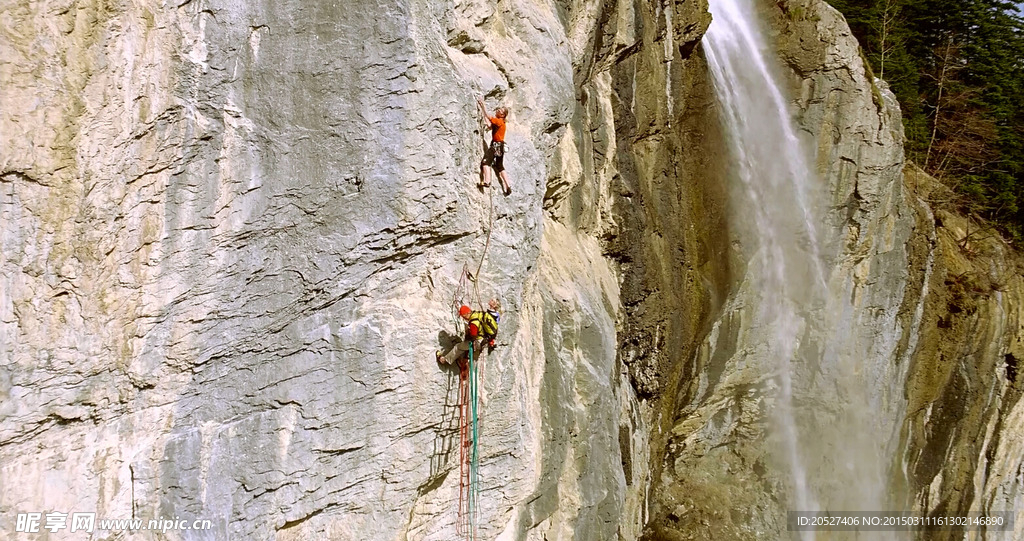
(497, 129)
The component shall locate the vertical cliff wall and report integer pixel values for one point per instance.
(231, 234)
(960, 444)
(913, 360)
(724, 473)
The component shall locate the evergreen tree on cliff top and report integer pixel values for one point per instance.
(957, 69)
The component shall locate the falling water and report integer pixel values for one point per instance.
(773, 168)
(784, 199)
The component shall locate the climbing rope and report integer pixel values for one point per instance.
(460, 293)
(465, 276)
(462, 525)
(487, 246)
(469, 454)
(469, 425)
(474, 466)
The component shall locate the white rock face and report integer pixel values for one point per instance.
(231, 233)
(231, 236)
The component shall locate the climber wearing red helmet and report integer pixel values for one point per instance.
(480, 327)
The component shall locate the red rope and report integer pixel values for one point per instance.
(462, 526)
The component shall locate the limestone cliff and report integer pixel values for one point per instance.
(231, 234)
(961, 439)
(928, 332)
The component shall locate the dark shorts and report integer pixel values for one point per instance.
(495, 156)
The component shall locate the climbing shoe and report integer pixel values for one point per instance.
(508, 191)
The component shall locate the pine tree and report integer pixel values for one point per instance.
(957, 69)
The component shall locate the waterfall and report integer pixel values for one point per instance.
(773, 169)
(824, 411)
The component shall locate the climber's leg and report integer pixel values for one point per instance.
(485, 167)
(457, 351)
(505, 188)
(498, 163)
(485, 175)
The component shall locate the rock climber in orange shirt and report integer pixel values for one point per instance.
(494, 157)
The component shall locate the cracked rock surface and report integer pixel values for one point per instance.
(231, 233)
(231, 236)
